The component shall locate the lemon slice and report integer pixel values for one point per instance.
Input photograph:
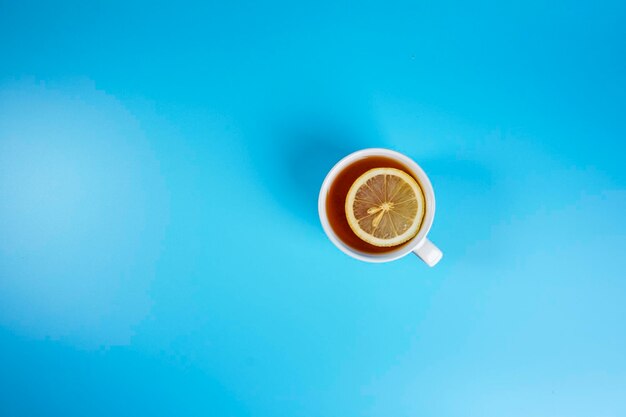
(385, 207)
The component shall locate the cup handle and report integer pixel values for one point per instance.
(428, 252)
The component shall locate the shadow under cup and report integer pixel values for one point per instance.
(331, 204)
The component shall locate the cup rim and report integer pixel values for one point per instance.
(429, 196)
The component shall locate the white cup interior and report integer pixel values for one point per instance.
(416, 171)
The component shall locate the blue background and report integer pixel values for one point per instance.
(160, 252)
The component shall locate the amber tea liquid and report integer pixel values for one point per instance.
(336, 200)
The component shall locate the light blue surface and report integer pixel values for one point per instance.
(160, 252)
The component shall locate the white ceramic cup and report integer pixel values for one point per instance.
(419, 245)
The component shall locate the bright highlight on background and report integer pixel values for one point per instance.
(160, 252)
(83, 210)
